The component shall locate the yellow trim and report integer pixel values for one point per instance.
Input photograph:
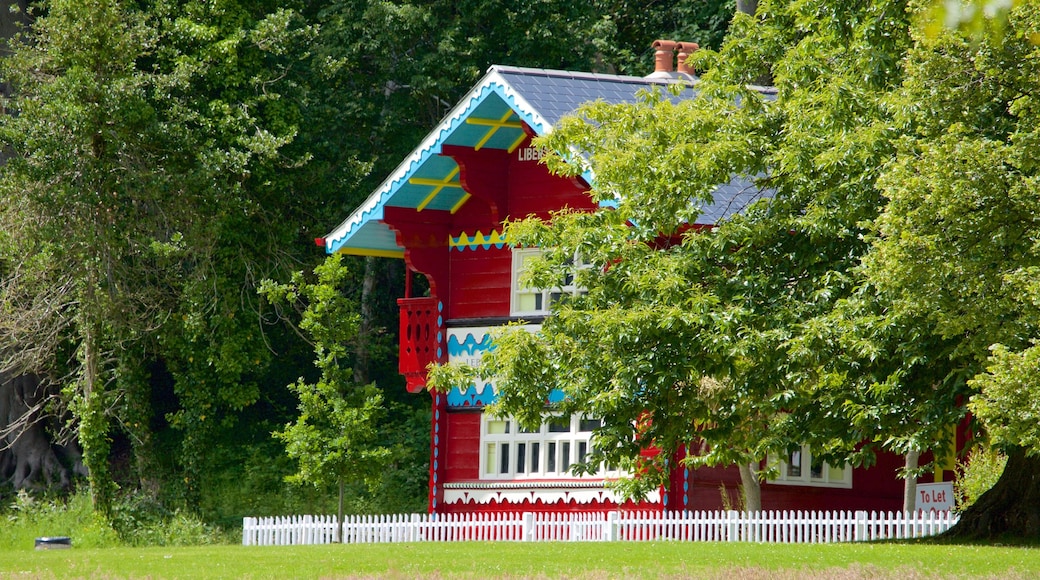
(495, 126)
(502, 124)
(372, 252)
(486, 138)
(435, 182)
(438, 185)
(517, 142)
(951, 462)
(464, 240)
(459, 205)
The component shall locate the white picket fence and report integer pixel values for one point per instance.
(697, 526)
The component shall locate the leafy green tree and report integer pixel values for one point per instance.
(336, 438)
(234, 68)
(890, 279)
(123, 183)
(695, 335)
(759, 335)
(81, 113)
(957, 238)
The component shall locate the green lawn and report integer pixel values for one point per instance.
(540, 560)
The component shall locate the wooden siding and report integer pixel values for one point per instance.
(462, 450)
(534, 191)
(874, 488)
(479, 283)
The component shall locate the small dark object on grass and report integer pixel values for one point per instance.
(55, 543)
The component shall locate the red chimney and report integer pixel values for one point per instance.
(686, 49)
(664, 57)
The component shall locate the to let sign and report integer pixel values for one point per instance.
(935, 496)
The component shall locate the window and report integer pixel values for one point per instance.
(800, 468)
(510, 452)
(533, 300)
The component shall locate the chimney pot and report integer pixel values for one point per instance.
(685, 50)
(664, 56)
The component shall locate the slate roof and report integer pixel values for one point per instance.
(490, 116)
(556, 93)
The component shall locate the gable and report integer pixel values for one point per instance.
(506, 107)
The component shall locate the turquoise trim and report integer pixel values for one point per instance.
(471, 397)
(469, 346)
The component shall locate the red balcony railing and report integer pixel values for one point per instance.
(419, 329)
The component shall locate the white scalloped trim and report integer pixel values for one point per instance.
(512, 494)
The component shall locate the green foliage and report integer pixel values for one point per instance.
(144, 147)
(1007, 403)
(851, 311)
(167, 155)
(336, 438)
(30, 517)
(403, 485)
(249, 479)
(976, 17)
(137, 520)
(141, 521)
(695, 336)
(956, 241)
(976, 474)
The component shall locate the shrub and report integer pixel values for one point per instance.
(30, 517)
(178, 529)
(976, 474)
(142, 520)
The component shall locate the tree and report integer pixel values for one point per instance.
(232, 134)
(336, 438)
(957, 238)
(691, 336)
(122, 183)
(890, 279)
(61, 181)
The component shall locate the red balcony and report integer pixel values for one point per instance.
(419, 333)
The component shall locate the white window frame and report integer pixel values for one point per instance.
(507, 452)
(797, 469)
(546, 297)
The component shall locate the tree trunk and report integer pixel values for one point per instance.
(747, 6)
(339, 514)
(28, 459)
(1011, 508)
(751, 488)
(92, 414)
(362, 363)
(910, 483)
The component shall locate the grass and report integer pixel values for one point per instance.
(633, 560)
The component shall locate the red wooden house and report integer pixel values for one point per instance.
(442, 211)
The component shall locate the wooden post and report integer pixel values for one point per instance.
(339, 518)
(527, 527)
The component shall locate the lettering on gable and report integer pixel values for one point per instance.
(528, 154)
